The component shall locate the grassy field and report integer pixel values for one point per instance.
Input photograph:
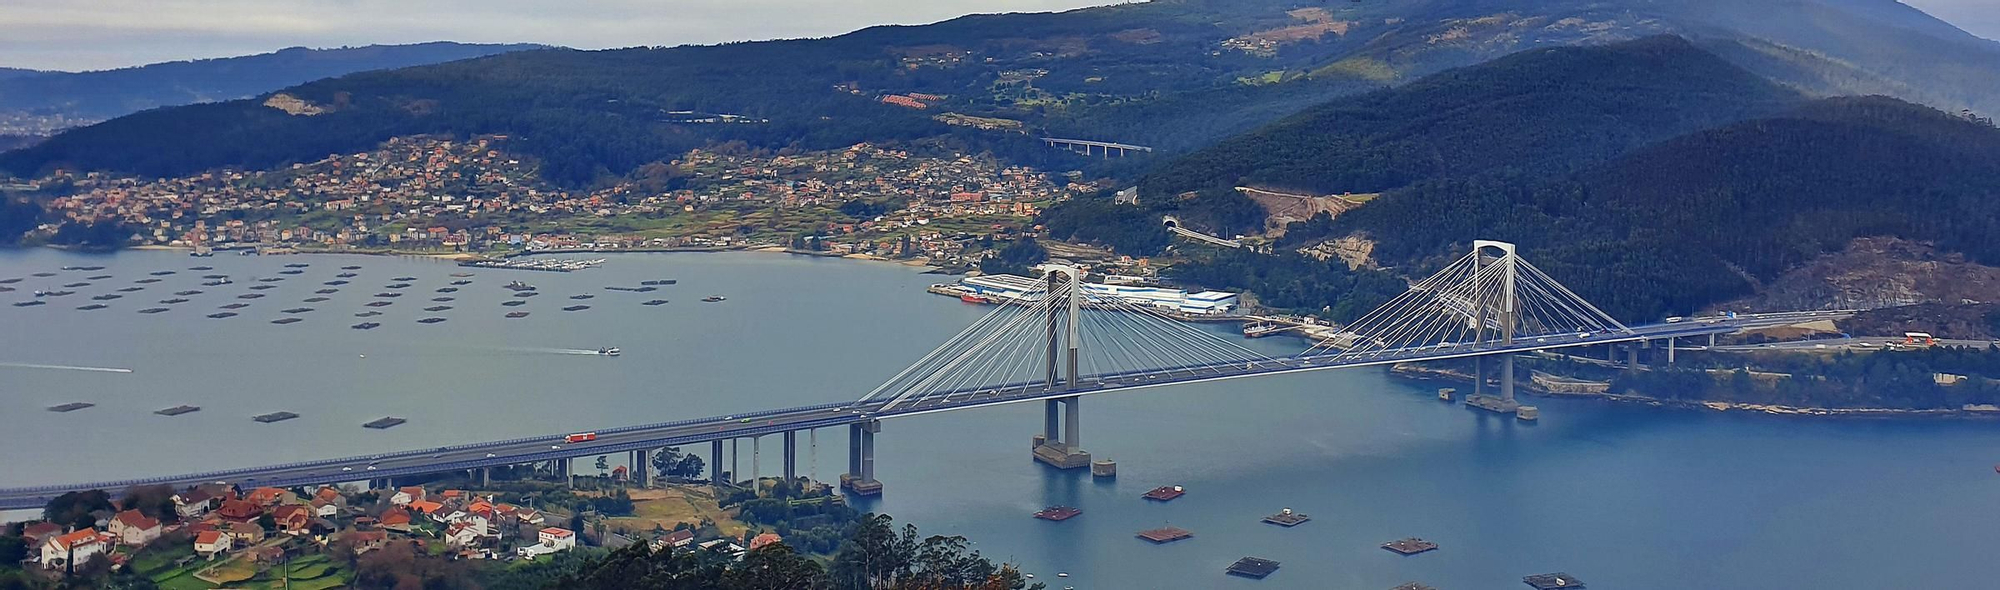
(671, 506)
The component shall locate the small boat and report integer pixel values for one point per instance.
(461, 275)
(161, 273)
(389, 294)
(292, 272)
(461, 282)
(611, 351)
(397, 286)
(517, 314)
(334, 283)
(10, 280)
(297, 265)
(262, 287)
(60, 293)
(77, 284)
(518, 286)
(43, 274)
(97, 277)
(214, 276)
(270, 279)
(714, 298)
(513, 303)
(131, 289)
(659, 282)
(526, 294)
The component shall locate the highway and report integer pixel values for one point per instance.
(688, 432)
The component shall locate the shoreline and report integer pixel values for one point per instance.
(1419, 373)
(463, 256)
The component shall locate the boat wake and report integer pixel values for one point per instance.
(72, 368)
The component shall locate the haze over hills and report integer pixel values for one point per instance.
(1175, 74)
(98, 95)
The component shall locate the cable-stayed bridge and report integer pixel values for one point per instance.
(1056, 345)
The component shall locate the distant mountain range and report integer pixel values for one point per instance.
(106, 94)
(1174, 74)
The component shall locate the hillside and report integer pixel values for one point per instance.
(100, 95)
(1176, 74)
(1712, 215)
(1537, 112)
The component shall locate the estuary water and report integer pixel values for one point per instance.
(1622, 497)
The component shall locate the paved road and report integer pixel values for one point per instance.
(687, 432)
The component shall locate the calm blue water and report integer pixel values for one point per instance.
(1622, 497)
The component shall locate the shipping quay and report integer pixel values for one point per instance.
(178, 410)
(1253, 567)
(1164, 535)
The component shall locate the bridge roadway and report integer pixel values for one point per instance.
(687, 432)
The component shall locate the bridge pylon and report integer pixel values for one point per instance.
(860, 477)
(1061, 443)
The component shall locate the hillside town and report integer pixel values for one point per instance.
(223, 535)
(438, 194)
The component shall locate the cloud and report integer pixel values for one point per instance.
(97, 34)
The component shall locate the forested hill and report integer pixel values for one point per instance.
(1537, 112)
(1705, 217)
(1175, 74)
(111, 93)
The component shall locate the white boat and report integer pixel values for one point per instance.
(611, 351)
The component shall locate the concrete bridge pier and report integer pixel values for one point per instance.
(1062, 448)
(641, 471)
(1507, 379)
(735, 457)
(1632, 355)
(791, 456)
(715, 464)
(860, 477)
(1670, 351)
(485, 476)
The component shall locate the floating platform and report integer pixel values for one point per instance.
(275, 417)
(298, 310)
(314, 300)
(1058, 513)
(576, 308)
(1165, 493)
(404, 279)
(1253, 567)
(178, 410)
(70, 407)
(655, 302)
(432, 320)
(659, 282)
(235, 306)
(385, 422)
(188, 292)
(437, 308)
(262, 287)
(443, 299)
(250, 296)
(153, 310)
(1410, 546)
(367, 314)
(1411, 586)
(582, 296)
(92, 307)
(283, 321)
(366, 326)
(351, 267)
(513, 303)
(1287, 518)
(397, 286)
(632, 289)
(1553, 581)
(221, 315)
(1164, 535)
(517, 314)
(378, 303)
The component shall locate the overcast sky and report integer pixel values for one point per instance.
(99, 34)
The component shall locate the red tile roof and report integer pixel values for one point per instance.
(77, 539)
(764, 539)
(132, 518)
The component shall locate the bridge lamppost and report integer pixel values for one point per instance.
(1061, 441)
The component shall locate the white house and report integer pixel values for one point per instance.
(559, 538)
(211, 543)
(77, 547)
(133, 528)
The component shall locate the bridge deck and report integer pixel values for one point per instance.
(685, 432)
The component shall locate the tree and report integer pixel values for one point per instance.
(776, 566)
(13, 549)
(603, 465)
(667, 460)
(74, 508)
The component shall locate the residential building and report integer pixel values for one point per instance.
(133, 528)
